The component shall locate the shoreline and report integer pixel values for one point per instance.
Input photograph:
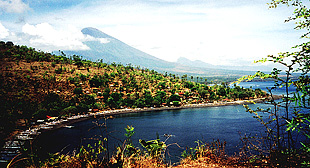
(45, 126)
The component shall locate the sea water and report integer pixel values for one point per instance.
(223, 123)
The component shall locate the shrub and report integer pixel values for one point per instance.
(53, 64)
(78, 90)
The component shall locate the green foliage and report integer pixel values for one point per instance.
(98, 81)
(147, 98)
(174, 97)
(155, 148)
(176, 103)
(160, 98)
(291, 113)
(70, 110)
(82, 77)
(32, 93)
(58, 70)
(78, 61)
(53, 104)
(73, 80)
(130, 149)
(78, 90)
(53, 64)
(205, 150)
(91, 153)
(115, 100)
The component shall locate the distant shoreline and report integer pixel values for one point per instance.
(53, 124)
(108, 113)
(44, 127)
(202, 105)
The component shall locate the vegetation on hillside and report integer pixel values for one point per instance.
(35, 84)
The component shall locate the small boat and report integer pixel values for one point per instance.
(168, 135)
(23, 137)
(68, 126)
(46, 127)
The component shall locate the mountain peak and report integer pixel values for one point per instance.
(196, 63)
(119, 52)
(95, 33)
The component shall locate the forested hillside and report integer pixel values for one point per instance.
(35, 84)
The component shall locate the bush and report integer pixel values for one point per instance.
(53, 64)
(70, 110)
(78, 90)
(176, 103)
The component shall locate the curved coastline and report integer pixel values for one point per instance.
(45, 126)
(52, 125)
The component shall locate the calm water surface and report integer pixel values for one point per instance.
(226, 123)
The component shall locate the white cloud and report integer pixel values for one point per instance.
(215, 31)
(214, 35)
(46, 37)
(3, 32)
(13, 6)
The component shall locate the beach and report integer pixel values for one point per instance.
(43, 126)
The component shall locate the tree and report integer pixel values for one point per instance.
(78, 60)
(212, 96)
(184, 77)
(174, 97)
(148, 99)
(78, 91)
(292, 112)
(222, 91)
(53, 104)
(129, 101)
(160, 97)
(115, 100)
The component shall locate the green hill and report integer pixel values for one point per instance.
(34, 84)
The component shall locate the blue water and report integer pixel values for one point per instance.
(226, 123)
(265, 85)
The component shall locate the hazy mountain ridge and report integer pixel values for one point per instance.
(202, 64)
(196, 63)
(114, 50)
(117, 51)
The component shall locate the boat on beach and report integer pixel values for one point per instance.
(68, 126)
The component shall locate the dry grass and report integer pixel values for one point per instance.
(208, 162)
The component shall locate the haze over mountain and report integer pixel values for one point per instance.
(196, 63)
(109, 49)
(201, 64)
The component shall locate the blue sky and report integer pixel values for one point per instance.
(221, 32)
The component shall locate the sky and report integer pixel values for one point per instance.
(220, 32)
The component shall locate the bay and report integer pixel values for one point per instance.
(223, 123)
